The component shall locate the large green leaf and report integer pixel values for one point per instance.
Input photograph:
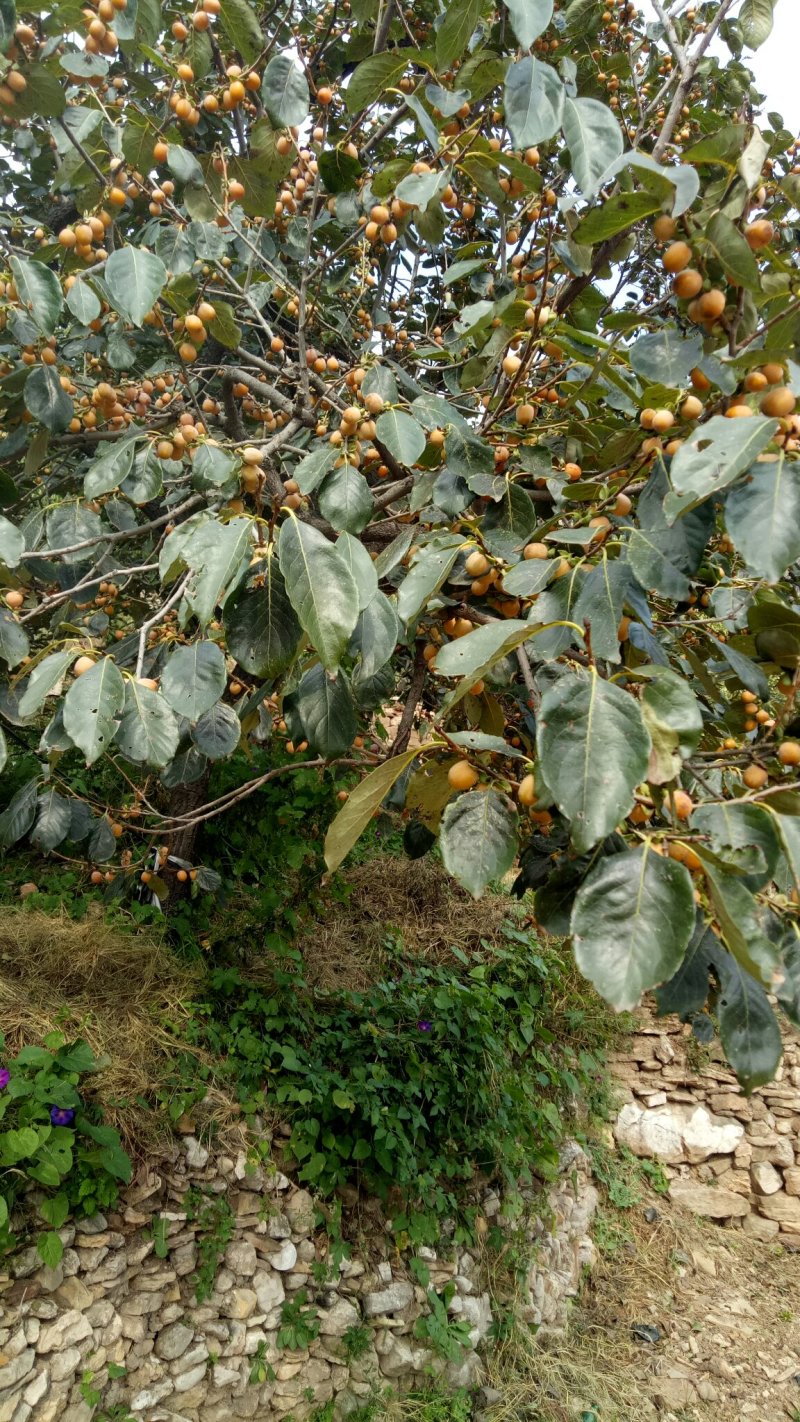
(19, 814)
(109, 470)
(710, 458)
(358, 810)
(345, 500)
(135, 279)
(732, 251)
(509, 523)
(534, 101)
(53, 820)
(39, 293)
(600, 604)
(313, 467)
(12, 543)
(738, 914)
(672, 715)
(594, 138)
(666, 358)
(755, 22)
(478, 838)
(320, 587)
(239, 22)
(14, 643)
(261, 626)
(631, 924)
(747, 1025)
(762, 516)
(741, 827)
(218, 732)
(326, 711)
(594, 750)
(218, 556)
(455, 31)
(375, 636)
(284, 91)
(529, 18)
(373, 77)
(8, 20)
(83, 301)
(403, 436)
(93, 708)
(47, 400)
(471, 657)
(194, 678)
(663, 557)
(43, 680)
(149, 731)
(616, 215)
(352, 552)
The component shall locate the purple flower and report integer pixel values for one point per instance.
(424, 1026)
(5, 1077)
(62, 1115)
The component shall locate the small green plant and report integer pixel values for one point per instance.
(51, 1139)
(656, 1175)
(260, 1370)
(437, 1405)
(356, 1341)
(449, 1337)
(299, 1325)
(160, 1227)
(92, 1395)
(215, 1220)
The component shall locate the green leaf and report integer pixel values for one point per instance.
(456, 30)
(674, 721)
(731, 249)
(354, 554)
(403, 436)
(240, 25)
(224, 327)
(594, 138)
(262, 630)
(687, 990)
(194, 678)
(93, 708)
(12, 543)
(39, 292)
(108, 471)
(148, 732)
(528, 577)
(480, 741)
(135, 279)
(478, 838)
(55, 1211)
(211, 468)
(375, 636)
(788, 827)
(534, 101)
(762, 516)
(529, 18)
(712, 456)
(327, 713)
(755, 21)
(594, 749)
(218, 556)
(666, 358)
(50, 1249)
(313, 467)
(373, 77)
(218, 732)
(284, 91)
(44, 97)
(737, 912)
(18, 817)
(741, 827)
(747, 1025)
(631, 924)
(419, 189)
(509, 523)
(183, 165)
(53, 820)
(663, 557)
(471, 657)
(345, 499)
(18, 1144)
(320, 588)
(600, 604)
(83, 302)
(615, 215)
(340, 170)
(749, 673)
(8, 21)
(43, 681)
(3, 751)
(358, 810)
(46, 399)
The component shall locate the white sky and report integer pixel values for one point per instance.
(774, 64)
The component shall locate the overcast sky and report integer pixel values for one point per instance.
(775, 63)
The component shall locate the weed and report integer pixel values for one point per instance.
(260, 1370)
(356, 1341)
(299, 1325)
(215, 1221)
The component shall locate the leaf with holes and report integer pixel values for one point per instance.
(93, 708)
(149, 731)
(710, 458)
(478, 838)
(194, 678)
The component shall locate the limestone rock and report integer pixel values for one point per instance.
(239, 1303)
(716, 1204)
(241, 1258)
(676, 1133)
(759, 1228)
(300, 1212)
(73, 1294)
(336, 1321)
(390, 1300)
(783, 1208)
(196, 1154)
(791, 1180)
(13, 1373)
(173, 1341)
(285, 1258)
(269, 1291)
(765, 1178)
(70, 1328)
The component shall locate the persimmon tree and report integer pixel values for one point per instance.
(365, 355)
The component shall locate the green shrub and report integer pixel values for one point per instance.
(51, 1139)
(437, 1071)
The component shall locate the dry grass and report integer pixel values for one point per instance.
(120, 991)
(414, 901)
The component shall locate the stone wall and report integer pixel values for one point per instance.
(728, 1156)
(114, 1301)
